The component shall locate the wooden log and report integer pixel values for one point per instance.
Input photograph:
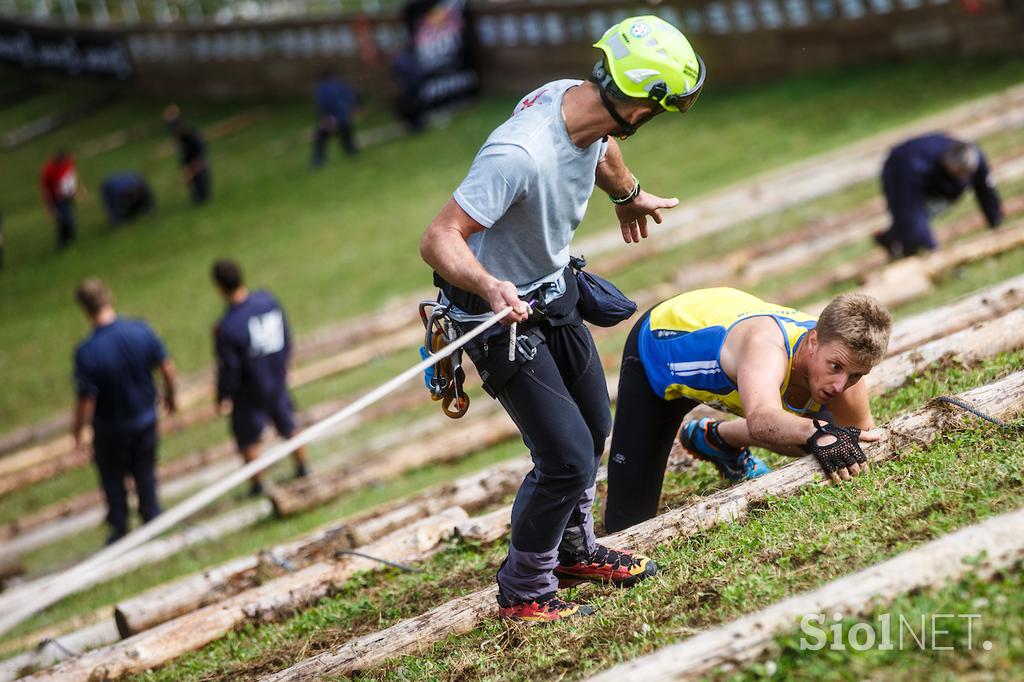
(870, 262)
(458, 440)
(487, 528)
(55, 649)
(10, 567)
(984, 340)
(978, 307)
(268, 602)
(910, 278)
(1000, 399)
(981, 549)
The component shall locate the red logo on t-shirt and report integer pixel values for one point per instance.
(527, 103)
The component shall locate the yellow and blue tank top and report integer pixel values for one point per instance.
(681, 341)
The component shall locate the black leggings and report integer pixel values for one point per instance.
(645, 427)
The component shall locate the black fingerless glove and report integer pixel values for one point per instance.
(843, 452)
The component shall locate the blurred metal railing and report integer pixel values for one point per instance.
(160, 12)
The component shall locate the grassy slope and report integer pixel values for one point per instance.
(978, 274)
(998, 605)
(787, 545)
(338, 242)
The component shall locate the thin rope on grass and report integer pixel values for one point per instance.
(393, 564)
(950, 400)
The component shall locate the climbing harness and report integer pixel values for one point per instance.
(445, 379)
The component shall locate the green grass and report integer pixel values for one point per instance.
(966, 616)
(786, 545)
(339, 242)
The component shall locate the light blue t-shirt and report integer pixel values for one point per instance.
(529, 186)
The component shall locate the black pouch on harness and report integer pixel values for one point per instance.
(489, 353)
(601, 302)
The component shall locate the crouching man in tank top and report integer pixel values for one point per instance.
(794, 380)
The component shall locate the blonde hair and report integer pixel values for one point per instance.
(860, 323)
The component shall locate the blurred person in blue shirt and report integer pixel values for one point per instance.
(114, 385)
(335, 104)
(922, 177)
(253, 344)
(126, 195)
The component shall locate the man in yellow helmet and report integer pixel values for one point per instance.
(766, 363)
(502, 240)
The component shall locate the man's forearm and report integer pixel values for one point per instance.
(779, 432)
(612, 175)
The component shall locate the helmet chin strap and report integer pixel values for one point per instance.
(625, 127)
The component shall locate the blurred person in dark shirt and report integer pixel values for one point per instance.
(408, 103)
(335, 104)
(921, 178)
(126, 195)
(59, 184)
(113, 371)
(252, 343)
(192, 154)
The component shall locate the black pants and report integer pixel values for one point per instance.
(645, 426)
(201, 186)
(559, 400)
(345, 136)
(65, 218)
(119, 455)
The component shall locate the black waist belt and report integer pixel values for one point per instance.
(464, 300)
(561, 311)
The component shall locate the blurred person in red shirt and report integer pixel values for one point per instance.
(59, 184)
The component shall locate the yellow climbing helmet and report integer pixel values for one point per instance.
(647, 57)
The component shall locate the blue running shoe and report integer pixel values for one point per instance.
(700, 437)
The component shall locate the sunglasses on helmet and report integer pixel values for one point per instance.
(683, 100)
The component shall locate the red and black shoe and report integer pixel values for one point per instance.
(607, 566)
(544, 609)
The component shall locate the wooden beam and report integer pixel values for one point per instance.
(458, 440)
(864, 265)
(267, 602)
(984, 340)
(56, 649)
(912, 278)
(981, 549)
(1001, 399)
(986, 304)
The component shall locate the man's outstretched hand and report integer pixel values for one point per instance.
(633, 216)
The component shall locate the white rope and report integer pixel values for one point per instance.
(17, 607)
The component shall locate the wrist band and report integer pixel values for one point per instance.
(633, 193)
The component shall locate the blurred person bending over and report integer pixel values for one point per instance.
(252, 344)
(335, 104)
(795, 381)
(192, 155)
(504, 239)
(924, 176)
(114, 383)
(59, 184)
(126, 195)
